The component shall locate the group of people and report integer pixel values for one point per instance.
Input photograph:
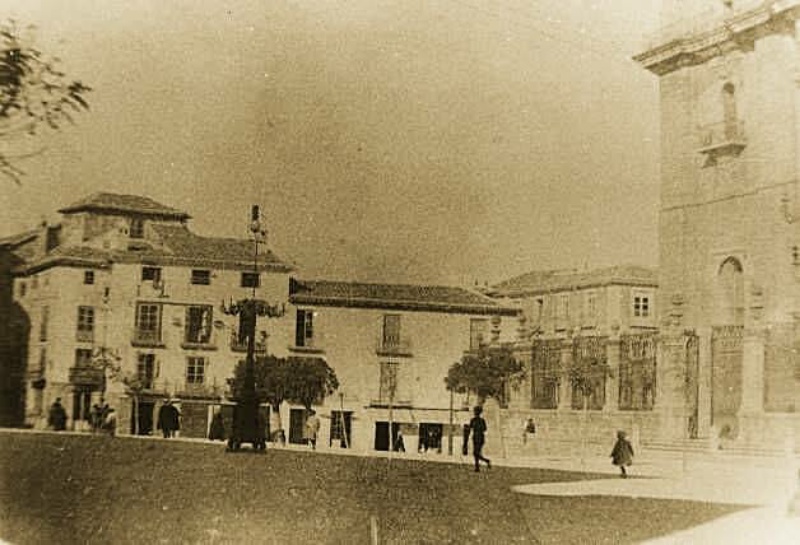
(101, 418)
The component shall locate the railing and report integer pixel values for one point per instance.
(401, 346)
(147, 338)
(89, 376)
(717, 137)
(201, 390)
(240, 345)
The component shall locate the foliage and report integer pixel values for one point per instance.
(270, 374)
(297, 379)
(310, 380)
(34, 92)
(486, 371)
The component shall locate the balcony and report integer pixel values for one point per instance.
(84, 335)
(724, 138)
(240, 345)
(394, 346)
(201, 391)
(85, 376)
(147, 339)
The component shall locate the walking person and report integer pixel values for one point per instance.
(622, 454)
(477, 426)
(57, 417)
(312, 429)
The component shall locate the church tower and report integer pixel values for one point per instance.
(729, 225)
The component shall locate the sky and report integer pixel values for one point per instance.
(419, 141)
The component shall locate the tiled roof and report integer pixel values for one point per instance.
(560, 280)
(179, 242)
(395, 296)
(112, 202)
(19, 238)
(180, 247)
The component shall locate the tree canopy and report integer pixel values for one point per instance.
(301, 380)
(34, 92)
(486, 372)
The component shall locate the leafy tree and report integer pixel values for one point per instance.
(296, 379)
(486, 371)
(34, 92)
(310, 380)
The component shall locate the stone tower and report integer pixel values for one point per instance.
(729, 226)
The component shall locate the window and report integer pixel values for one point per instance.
(148, 323)
(201, 277)
(136, 228)
(388, 384)
(85, 331)
(590, 308)
(88, 277)
(34, 282)
(251, 280)
(641, 306)
(42, 358)
(22, 289)
(391, 331)
(304, 328)
(151, 274)
(43, 324)
(146, 369)
(198, 324)
(83, 357)
(478, 327)
(195, 370)
(562, 311)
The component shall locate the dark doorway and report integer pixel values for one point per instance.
(81, 404)
(145, 413)
(297, 422)
(382, 434)
(430, 437)
(341, 423)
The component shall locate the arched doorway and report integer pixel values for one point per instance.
(726, 348)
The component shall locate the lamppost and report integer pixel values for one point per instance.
(247, 425)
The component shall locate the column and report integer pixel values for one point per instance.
(612, 379)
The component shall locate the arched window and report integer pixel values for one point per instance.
(729, 110)
(730, 289)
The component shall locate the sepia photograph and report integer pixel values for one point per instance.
(391, 272)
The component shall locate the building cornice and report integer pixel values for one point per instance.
(697, 47)
(417, 306)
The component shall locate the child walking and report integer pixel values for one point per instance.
(622, 454)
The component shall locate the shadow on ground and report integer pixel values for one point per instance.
(95, 489)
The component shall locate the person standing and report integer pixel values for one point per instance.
(168, 419)
(622, 453)
(217, 430)
(57, 417)
(477, 426)
(312, 428)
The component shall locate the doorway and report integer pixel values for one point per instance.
(382, 434)
(297, 422)
(145, 414)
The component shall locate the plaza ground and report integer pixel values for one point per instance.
(71, 488)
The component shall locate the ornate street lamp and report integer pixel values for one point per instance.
(247, 424)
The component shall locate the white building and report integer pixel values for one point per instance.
(123, 275)
(391, 347)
